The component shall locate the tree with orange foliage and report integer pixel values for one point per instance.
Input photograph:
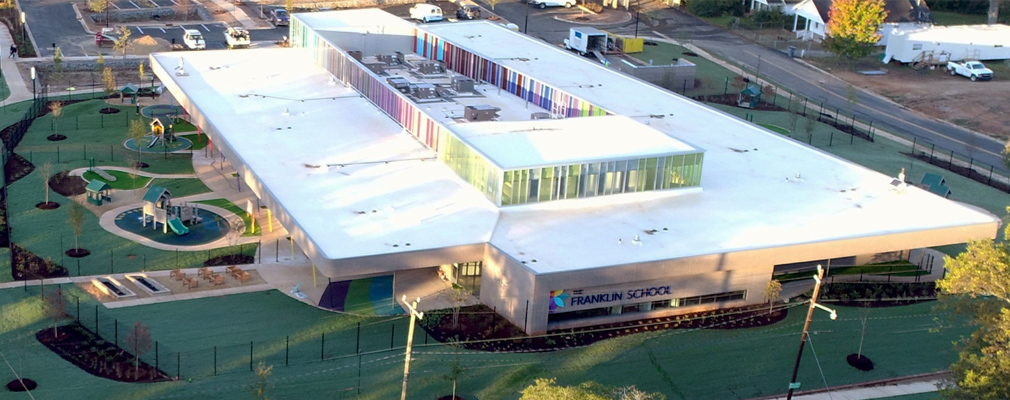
(853, 27)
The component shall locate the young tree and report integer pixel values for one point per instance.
(493, 3)
(261, 384)
(853, 27)
(56, 108)
(459, 295)
(289, 5)
(58, 64)
(132, 162)
(98, 6)
(75, 217)
(993, 11)
(109, 79)
(851, 99)
(773, 292)
(142, 74)
(137, 132)
(979, 281)
(56, 308)
(123, 40)
(45, 170)
(633, 393)
(139, 340)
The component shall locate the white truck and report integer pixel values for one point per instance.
(236, 37)
(542, 4)
(587, 40)
(193, 39)
(974, 70)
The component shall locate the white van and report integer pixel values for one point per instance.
(426, 12)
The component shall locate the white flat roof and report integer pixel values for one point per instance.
(534, 143)
(761, 190)
(325, 161)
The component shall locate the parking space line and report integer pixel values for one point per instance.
(175, 2)
(155, 3)
(162, 30)
(205, 27)
(140, 30)
(134, 4)
(115, 5)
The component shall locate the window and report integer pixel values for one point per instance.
(917, 46)
(648, 306)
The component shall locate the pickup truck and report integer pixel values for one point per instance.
(193, 39)
(973, 70)
(236, 37)
(552, 3)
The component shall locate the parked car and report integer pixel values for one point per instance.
(426, 12)
(193, 39)
(467, 10)
(974, 70)
(236, 37)
(279, 17)
(553, 3)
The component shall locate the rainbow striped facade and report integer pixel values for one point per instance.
(479, 68)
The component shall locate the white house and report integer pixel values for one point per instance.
(811, 16)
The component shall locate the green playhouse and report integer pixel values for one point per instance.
(749, 97)
(98, 192)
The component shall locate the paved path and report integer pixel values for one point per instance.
(15, 82)
(884, 388)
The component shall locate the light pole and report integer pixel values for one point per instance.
(410, 342)
(22, 27)
(33, 83)
(793, 385)
(526, 22)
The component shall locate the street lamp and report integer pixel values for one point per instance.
(793, 385)
(410, 341)
(22, 27)
(526, 22)
(33, 83)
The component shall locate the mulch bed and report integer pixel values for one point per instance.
(109, 110)
(96, 356)
(230, 259)
(860, 362)
(29, 266)
(731, 99)
(480, 328)
(78, 253)
(875, 295)
(55, 138)
(17, 167)
(51, 205)
(67, 185)
(22, 385)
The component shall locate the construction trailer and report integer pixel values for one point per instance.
(922, 45)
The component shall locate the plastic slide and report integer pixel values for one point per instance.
(149, 145)
(177, 226)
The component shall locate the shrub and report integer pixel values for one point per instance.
(715, 8)
(768, 16)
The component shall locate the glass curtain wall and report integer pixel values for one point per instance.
(542, 184)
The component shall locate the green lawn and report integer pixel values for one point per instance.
(705, 364)
(776, 129)
(198, 142)
(227, 205)
(123, 180)
(949, 18)
(182, 187)
(900, 267)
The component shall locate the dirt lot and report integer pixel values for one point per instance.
(980, 106)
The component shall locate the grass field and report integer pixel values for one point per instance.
(707, 364)
(123, 180)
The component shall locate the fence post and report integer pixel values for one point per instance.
(251, 355)
(831, 138)
(215, 360)
(357, 340)
(950, 164)
(988, 181)
(178, 363)
(322, 347)
(287, 349)
(392, 332)
(78, 300)
(116, 329)
(931, 147)
(96, 319)
(57, 153)
(156, 354)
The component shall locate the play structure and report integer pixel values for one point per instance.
(98, 192)
(161, 129)
(158, 206)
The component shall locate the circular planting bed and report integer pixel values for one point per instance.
(50, 205)
(56, 138)
(66, 184)
(860, 362)
(22, 385)
(78, 253)
(689, 54)
(109, 110)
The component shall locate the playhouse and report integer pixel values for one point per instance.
(749, 97)
(158, 205)
(161, 128)
(98, 192)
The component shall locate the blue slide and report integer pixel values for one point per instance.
(177, 226)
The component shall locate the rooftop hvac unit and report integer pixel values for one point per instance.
(355, 54)
(399, 83)
(430, 68)
(378, 69)
(387, 59)
(481, 112)
(462, 84)
(398, 55)
(424, 91)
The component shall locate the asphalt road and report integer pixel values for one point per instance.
(778, 67)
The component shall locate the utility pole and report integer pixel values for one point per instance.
(410, 341)
(793, 385)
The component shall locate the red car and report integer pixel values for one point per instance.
(101, 39)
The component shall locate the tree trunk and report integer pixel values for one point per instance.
(76, 244)
(993, 11)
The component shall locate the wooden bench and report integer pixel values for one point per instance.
(218, 280)
(191, 283)
(242, 277)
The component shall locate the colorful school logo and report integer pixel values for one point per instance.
(558, 299)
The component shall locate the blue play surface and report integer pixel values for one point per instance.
(213, 227)
(179, 144)
(370, 296)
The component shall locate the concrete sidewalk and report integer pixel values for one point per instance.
(19, 90)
